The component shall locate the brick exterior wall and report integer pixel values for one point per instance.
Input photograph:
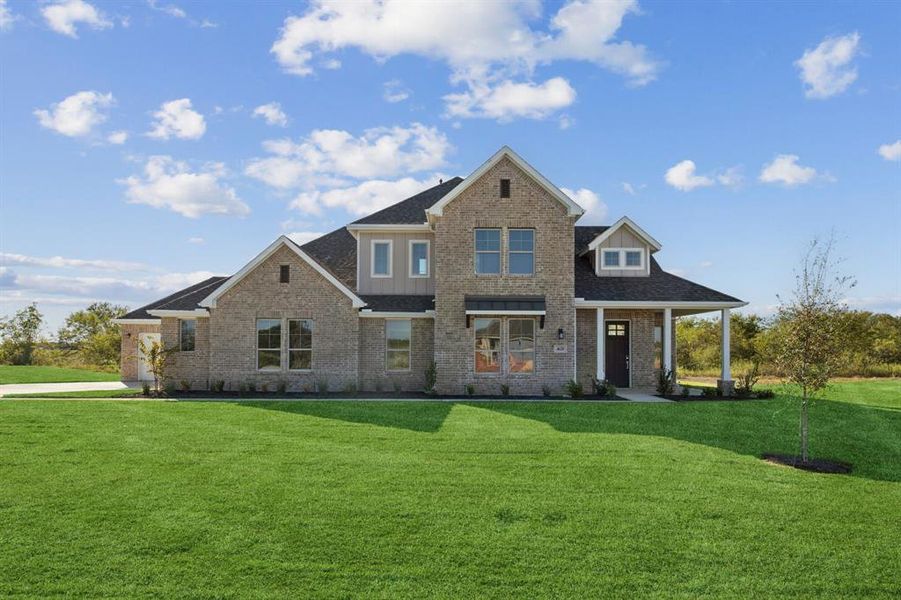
(192, 367)
(373, 373)
(309, 295)
(128, 357)
(529, 206)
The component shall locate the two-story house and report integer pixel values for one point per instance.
(488, 276)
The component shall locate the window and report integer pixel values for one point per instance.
(488, 345)
(397, 343)
(521, 345)
(381, 258)
(269, 344)
(616, 329)
(521, 252)
(611, 259)
(300, 344)
(633, 258)
(284, 273)
(419, 258)
(488, 251)
(186, 334)
(505, 188)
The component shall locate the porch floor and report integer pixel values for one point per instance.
(639, 395)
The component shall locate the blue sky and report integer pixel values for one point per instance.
(144, 146)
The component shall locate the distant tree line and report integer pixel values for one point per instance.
(870, 344)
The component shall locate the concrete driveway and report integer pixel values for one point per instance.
(45, 388)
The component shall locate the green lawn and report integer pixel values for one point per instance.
(17, 374)
(349, 499)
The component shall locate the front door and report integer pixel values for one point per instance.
(144, 373)
(616, 347)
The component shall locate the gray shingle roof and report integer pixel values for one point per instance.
(660, 286)
(412, 210)
(337, 253)
(186, 299)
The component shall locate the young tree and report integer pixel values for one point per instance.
(157, 358)
(808, 326)
(19, 334)
(92, 333)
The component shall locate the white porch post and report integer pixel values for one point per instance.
(726, 385)
(668, 339)
(600, 345)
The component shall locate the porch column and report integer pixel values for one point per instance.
(725, 383)
(668, 339)
(600, 346)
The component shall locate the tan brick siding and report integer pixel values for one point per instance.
(128, 359)
(373, 371)
(308, 296)
(191, 367)
(529, 206)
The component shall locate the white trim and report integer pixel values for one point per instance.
(409, 349)
(428, 259)
(210, 301)
(601, 356)
(631, 225)
(533, 313)
(582, 303)
(385, 314)
(726, 373)
(197, 313)
(389, 227)
(667, 339)
(372, 273)
(622, 259)
(573, 209)
(137, 321)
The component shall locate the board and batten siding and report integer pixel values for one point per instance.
(400, 281)
(623, 238)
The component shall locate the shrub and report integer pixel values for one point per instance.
(145, 388)
(765, 394)
(282, 386)
(264, 387)
(350, 389)
(322, 385)
(505, 389)
(545, 391)
(470, 389)
(744, 386)
(431, 377)
(611, 390)
(600, 386)
(185, 385)
(709, 392)
(573, 389)
(666, 382)
(395, 383)
(169, 388)
(218, 386)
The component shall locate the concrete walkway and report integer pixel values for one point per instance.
(46, 388)
(640, 396)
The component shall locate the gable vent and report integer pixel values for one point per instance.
(505, 188)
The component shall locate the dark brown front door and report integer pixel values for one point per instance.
(616, 346)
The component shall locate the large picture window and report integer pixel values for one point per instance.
(397, 341)
(269, 344)
(300, 344)
(187, 329)
(488, 345)
(521, 252)
(521, 345)
(488, 251)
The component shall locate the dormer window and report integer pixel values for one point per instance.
(611, 259)
(505, 188)
(622, 259)
(633, 258)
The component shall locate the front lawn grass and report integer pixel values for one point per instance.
(33, 374)
(353, 499)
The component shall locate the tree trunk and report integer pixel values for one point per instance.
(804, 425)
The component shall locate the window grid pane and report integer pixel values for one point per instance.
(269, 344)
(611, 258)
(487, 345)
(633, 258)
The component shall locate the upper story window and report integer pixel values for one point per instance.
(284, 274)
(488, 251)
(505, 188)
(186, 334)
(381, 258)
(521, 252)
(419, 258)
(622, 258)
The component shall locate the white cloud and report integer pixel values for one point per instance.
(827, 70)
(62, 17)
(785, 169)
(364, 198)
(595, 208)
(302, 237)
(500, 49)
(117, 137)
(394, 91)
(76, 115)
(22, 260)
(196, 240)
(682, 177)
(706, 264)
(327, 155)
(170, 184)
(731, 177)
(176, 118)
(100, 287)
(7, 18)
(169, 9)
(891, 151)
(272, 113)
(508, 100)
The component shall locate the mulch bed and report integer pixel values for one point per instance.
(226, 395)
(817, 465)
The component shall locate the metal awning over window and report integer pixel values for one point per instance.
(504, 306)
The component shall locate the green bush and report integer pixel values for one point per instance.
(431, 377)
(666, 382)
(573, 389)
(470, 389)
(505, 389)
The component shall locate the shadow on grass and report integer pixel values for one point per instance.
(426, 417)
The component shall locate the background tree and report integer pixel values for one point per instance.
(93, 334)
(19, 335)
(808, 344)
